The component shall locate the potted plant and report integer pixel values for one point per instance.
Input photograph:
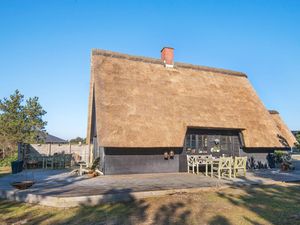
(286, 163)
(92, 172)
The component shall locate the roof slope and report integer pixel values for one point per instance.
(287, 135)
(48, 138)
(140, 103)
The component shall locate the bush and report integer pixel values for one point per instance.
(279, 156)
(7, 160)
(283, 159)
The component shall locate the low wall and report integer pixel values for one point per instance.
(49, 149)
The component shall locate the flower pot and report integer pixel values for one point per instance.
(93, 174)
(284, 167)
(90, 175)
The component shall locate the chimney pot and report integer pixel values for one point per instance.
(167, 56)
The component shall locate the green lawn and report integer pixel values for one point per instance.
(275, 204)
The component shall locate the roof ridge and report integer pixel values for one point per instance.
(158, 61)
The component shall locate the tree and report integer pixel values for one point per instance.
(298, 140)
(20, 122)
(77, 140)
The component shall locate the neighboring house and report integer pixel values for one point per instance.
(51, 139)
(47, 145)
(142, 110)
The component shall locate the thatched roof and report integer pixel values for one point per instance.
(283, 128)
(140, 103)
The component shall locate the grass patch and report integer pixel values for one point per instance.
(4, 171)
(268, 204)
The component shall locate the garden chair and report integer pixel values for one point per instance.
(48, 162)
(61, 161)
(58, 161)
(40, 161)
(240, 164)
(191, 163)
(68, 160)
(222, 167)
(32, 162)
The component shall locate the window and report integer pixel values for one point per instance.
(224, 143)
(205, 142)
(188, 141)
(193, 141)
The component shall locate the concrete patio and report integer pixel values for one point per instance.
(58, 188)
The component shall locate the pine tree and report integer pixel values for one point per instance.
(20, 122)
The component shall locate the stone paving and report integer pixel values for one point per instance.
(62, 183)
(60, 188)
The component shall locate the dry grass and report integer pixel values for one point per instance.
(4, 171)
(276, 204)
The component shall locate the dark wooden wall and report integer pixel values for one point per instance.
(151, 160)
(258, 157)
(140, 160)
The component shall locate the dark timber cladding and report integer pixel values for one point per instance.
(197, 141)
(136, 160)
(140, 108)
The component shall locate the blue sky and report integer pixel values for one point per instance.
(45, 47)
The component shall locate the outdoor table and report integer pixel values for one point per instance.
(207, 162)
(211, 162)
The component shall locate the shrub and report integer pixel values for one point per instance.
(7, 160)
(279, 156)
(284, 160)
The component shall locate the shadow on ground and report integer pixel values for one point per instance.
(219, 220)
(257, 205)
(129, 212)
(272, 204)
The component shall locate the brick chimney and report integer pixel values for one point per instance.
(167, 56)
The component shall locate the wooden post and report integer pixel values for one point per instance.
(49, 149)
(20, 152)
(90, 153)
